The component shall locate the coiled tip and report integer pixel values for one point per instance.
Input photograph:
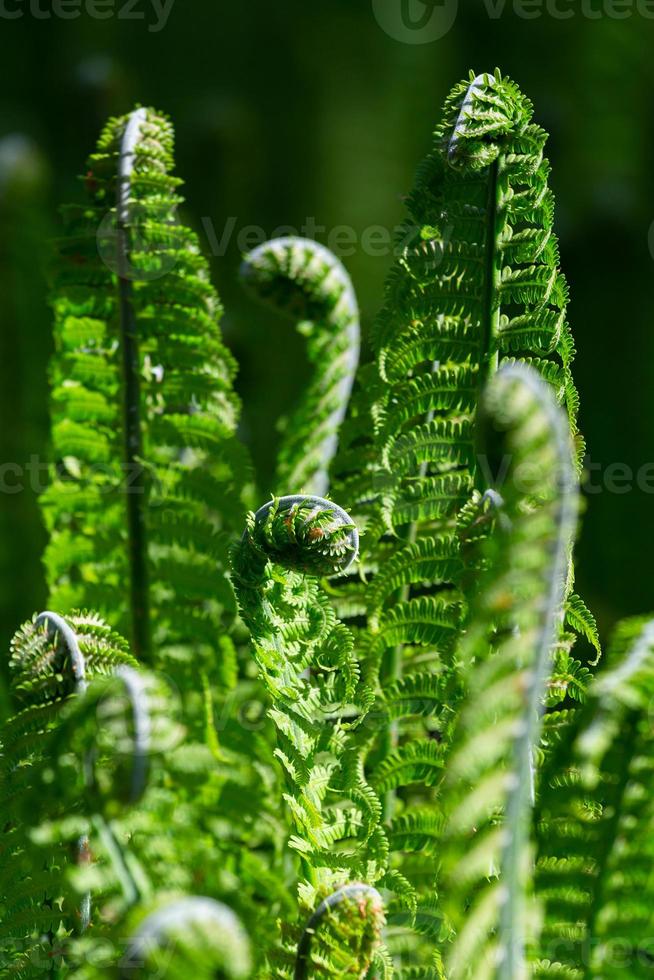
(306, 533)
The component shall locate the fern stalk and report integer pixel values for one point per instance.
(136, 488)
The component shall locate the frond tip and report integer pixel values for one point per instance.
(303, 279)
(192, 936)
(304, 533)
(342, 935)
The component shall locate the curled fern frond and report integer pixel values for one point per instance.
(191, 936)
(304, 279)
(507, 660)
(52, 660)
(318, 701)
(341, 936)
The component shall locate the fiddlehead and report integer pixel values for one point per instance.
(290, 618)
(518, 611)
(305, 280)
(342, 934)
(52, 660)
(191, 936)
(318, 701)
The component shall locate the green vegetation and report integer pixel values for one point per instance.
(357, 732)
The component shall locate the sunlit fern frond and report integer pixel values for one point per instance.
(508, 656)
(318, 701)
(147, 476)
(305, 280)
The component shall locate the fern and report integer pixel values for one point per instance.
(478, 283)
(318, 701)
(51, 660)
(438, 787)
(490, 770)
(304, 279)
(147, 471)
(342, 935)
(87, 756)
(476, 287)
(594, 824)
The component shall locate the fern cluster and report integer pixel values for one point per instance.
(380, 754)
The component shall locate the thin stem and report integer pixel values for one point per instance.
(135, 484)
(133, 891)
(57, 627)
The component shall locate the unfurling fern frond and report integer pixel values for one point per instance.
(477, 282)
(318, 701)
(476, 286)
(595, 824)
(341, 936)
(190, 937)
(305, 280)
(147, 472)
(507, 660)
(51, 660)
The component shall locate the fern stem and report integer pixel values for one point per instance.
(519, 799)
(133, 442)
(491, 306)
(491, 315)
(133, 891)
(56, 625)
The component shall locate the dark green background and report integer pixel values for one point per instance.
(293, 110)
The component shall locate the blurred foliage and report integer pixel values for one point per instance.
(294, 111)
